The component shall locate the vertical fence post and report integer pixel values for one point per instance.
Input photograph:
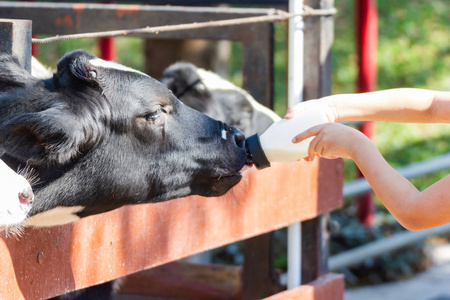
(260, 279)
(15, 38)
(367, 40)
(318, 39)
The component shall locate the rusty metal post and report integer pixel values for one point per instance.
(15, 38)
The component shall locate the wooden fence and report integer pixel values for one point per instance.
(136, 243)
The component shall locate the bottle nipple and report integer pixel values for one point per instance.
(255, 153)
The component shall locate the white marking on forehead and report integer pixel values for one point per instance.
(56, 216)
(224, 134)
(113, 65)
(214, 82)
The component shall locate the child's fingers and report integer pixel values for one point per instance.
(312, 149)
(307, 158)
(307, 133)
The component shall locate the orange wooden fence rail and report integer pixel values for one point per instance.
(51, 261)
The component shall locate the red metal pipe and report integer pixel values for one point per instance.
(106, 45)
(34, 48)
(367, 42)
(367, 36)
(107, 51)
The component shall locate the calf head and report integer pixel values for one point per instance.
(100, 135)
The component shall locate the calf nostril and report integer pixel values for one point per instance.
(26, 196)
(239, 137)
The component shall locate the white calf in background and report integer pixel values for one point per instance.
(218, 98)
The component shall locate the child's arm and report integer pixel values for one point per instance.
(415, 210)
(396, 105)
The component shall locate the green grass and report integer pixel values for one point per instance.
(413, 51)
(413, 47)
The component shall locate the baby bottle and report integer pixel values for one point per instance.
(275, 144)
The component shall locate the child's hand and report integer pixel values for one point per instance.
(333, 140)
(318, 105)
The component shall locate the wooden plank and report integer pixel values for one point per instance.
(257, 62)
(318, 44)
(314, 248)
(15, 38)
(185, 280)
(327, 287)
(326, 44)
(196, 2)
(51, 261)
(259, 276)
(68, 18)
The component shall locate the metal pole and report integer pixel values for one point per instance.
(107, 51)
(367, 35)
(15, 38)
(295, 95)
(358, 255)
(106, 45)
(432, 165)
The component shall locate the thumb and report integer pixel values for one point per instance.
(312, 131)
(295, 110)
(290, 113)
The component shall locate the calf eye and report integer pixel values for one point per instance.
(154, 115)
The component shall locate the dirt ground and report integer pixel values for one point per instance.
(433, 284)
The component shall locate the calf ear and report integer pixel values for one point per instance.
(75, 66)
(82, 69)
(47, 137)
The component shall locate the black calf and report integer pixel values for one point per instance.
(100, 135)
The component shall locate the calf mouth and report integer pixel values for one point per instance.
(230, 177)
(217, 184)
(247, 166)
(224, 182)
